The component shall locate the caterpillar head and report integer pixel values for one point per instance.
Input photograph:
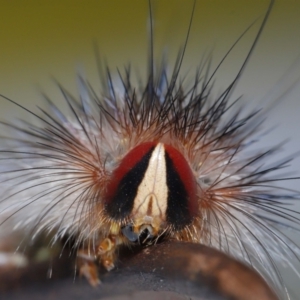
(153, 190)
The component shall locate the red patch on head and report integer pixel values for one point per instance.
(127, 163)
(186, 175)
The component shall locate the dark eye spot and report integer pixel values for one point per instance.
(206, 180)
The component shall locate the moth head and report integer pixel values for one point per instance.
(151, 191)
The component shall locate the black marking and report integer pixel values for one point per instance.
(178, 214)
(122, 202)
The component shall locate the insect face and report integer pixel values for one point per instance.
(153, 190)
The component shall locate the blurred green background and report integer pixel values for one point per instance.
(44, 39)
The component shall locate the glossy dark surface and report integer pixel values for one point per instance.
(171, 270)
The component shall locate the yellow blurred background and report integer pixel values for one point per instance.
(41, 39)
